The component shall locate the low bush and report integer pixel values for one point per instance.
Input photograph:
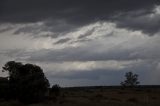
(55, 90)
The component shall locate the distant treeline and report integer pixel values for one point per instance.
(112, 87)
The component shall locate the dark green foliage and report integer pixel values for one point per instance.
(56, 90)
(131, 80)
(4, 88)
(27, 82)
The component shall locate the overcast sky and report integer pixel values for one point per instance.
(83, 42)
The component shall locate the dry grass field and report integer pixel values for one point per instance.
(100, 97)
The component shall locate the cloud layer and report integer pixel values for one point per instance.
(87, 42)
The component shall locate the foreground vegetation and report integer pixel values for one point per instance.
(26, 85)
(99, 96)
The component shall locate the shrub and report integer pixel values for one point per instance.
(55, 90)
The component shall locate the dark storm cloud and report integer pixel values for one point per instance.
(74, 12)
(140, 21)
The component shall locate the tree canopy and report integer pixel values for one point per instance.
(131, 79)
(27, 82)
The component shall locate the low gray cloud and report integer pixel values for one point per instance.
(90, 53)
(105, 76)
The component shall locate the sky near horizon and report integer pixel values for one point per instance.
(83, 42)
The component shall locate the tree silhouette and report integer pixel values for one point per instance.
(56, 90)
(27, 82)
(4, 86)
(131, 80)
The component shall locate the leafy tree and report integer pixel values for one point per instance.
(27, 82)
(131, 80)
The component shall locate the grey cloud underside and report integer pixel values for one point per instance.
(78, 13)
(92, 54)
(90, 75)
(105, 76)
(58, 27)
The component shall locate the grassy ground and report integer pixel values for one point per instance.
(100, 97)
